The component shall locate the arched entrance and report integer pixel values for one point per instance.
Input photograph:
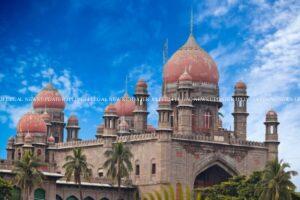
(72, 198)
(211, 176)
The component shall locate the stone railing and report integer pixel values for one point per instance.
(202, 138)
(246, 143)
(78, 143)
(103, 180)
(137, 137)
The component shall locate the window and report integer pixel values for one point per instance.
(137, 169)
(100, 172)
(153, 168)
(39, 152)
(207, 120)
(19, 154)
(271, 129)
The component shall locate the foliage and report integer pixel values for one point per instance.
(27, 173)
(276, 182)
(167, 193)
(5, 189)
(118, 163)
(77, 166)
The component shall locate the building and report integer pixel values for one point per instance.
(189, 145)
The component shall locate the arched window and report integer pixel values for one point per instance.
(207, 119)
(58, 197)
(72, 198)
(39, 194)
(19, 154)
(39, 152)
(88, 198)
(137, 168)
(271, 129)
(153, 167)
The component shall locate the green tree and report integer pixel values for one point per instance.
(27, 173)
(5, 189)
(118, 163)
(276, 182)
(76, 166)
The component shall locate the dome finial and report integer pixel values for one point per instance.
(192, 22)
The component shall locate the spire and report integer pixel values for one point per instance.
(165, 52)
(126, 85)
(192, 22)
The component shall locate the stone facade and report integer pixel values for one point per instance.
(189, 145)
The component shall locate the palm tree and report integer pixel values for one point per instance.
(77, 166)
(27, 173)
(276, 182)
(118, 163)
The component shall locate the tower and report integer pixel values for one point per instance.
(140, 112)
(164, 114)
(72, 128)
(271, 135)
(185, 105)
(49, 99)
(240, 110)
(110, 121)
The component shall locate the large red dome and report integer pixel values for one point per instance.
(49, 97)
(31, 123)
(125, 106)
(199, 64)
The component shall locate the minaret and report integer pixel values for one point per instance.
(185, 105)
(240, 110)
(10, 149)
(271, 139)
(164, 114)
(110, 121)
(140, 112)
(72, 128)
(99, 131)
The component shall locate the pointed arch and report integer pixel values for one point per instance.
(72, 198)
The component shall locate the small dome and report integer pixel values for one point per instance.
(11, 138)
(150, 128)
(240, 85)
(141, 83)
(32, 123)
(271, 113)
(73, 121)
(125, 106)
(202, 67)
(46, 117)
(49, 97)
(51, 139)
(110, 109)
(185, 76)
(164, 100)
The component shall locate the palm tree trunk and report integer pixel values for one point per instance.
(79, 187)
(119, 187)
(119, 180)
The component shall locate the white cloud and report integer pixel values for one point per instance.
(273, 36)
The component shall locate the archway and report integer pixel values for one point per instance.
(72, 198)
(39, 194)
(58, 197)
(88, 198)
(104, 198)
(211, 176)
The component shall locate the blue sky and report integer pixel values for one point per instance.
(88, 47)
